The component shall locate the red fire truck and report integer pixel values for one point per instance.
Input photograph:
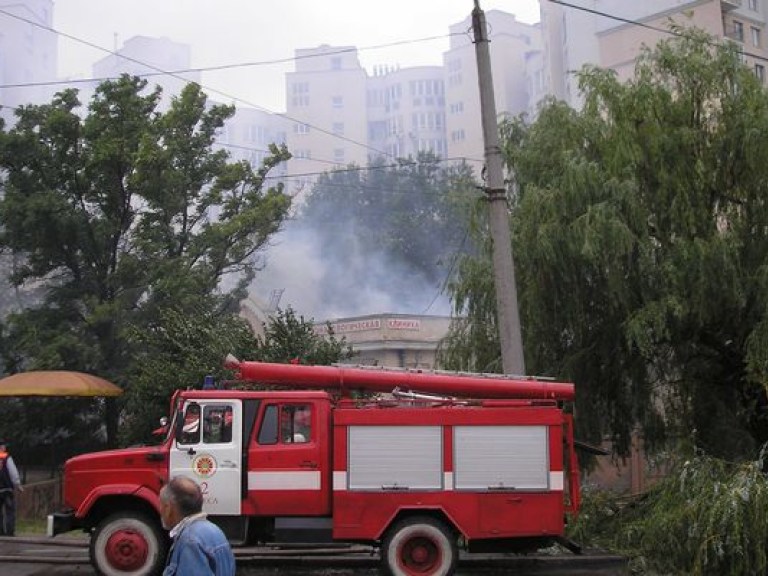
(489, 464)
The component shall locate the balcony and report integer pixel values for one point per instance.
(728, 5)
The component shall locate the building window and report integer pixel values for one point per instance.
(302, 155)
(338, 155)
(338, 128)
(754, 5)
(338, 101)
(301, 128)
(336, 63)
(755, 36)
(300, 94)
(737, 32)
(257, 134)
(760, 73)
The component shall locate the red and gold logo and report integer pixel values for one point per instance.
(204, 465)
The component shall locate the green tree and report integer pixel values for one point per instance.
(640, 234)
(121, 211)
(178, 349)
(288, 338)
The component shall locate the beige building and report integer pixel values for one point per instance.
(511, 43)
(406, 111)
(394, 340)
(340, 114)
(326, 113)
(247, 136)
(573, 38)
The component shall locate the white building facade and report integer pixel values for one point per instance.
(28, 55)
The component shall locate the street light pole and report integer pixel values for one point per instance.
(508, 317)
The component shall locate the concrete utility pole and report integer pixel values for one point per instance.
(508, 317)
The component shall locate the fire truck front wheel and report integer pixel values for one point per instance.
(421, 546)
(128, 544)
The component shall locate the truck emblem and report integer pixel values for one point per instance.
(204, 465)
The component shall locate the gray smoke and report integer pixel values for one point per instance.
(322, 284)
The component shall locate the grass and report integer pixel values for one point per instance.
(38, 528)
(35, 527)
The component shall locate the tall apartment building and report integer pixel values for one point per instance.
(326, 111)
(573, 37)
(245, 136)
(149, 57)
(406, 111)
(511, 44)
(28, 54)
(248, 134)
(399, 112)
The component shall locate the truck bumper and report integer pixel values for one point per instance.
(60, 522)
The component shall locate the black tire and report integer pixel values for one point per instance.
(419, 546)
(128, 544)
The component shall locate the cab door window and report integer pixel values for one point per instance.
(286, 424)
(190, 429)
(217, 424)
(296, 423)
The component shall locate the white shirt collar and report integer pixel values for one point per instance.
(176, 530)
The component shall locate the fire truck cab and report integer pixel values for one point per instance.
(415, 475)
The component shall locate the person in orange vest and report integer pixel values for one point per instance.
(9, 483)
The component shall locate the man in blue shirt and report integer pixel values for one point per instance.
(199, 546)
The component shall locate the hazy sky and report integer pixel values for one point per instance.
(232, 31)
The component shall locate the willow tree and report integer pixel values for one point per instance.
(640, 232)
(120, 211)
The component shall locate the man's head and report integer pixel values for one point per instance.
(180, 498)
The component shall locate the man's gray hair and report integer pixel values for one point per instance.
(184, 493)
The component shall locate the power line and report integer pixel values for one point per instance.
(219, 67)
(336, 163)
(160, 70)
(405, 162)
(454, 260)
(668, 31)
(370, 168)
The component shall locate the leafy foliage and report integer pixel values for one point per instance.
(640, 232)
(178, 349)
(120, 212)
(175, 351)
(288, 338)
(707, 517)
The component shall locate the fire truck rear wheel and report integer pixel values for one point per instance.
(128, 544)
(419, 546)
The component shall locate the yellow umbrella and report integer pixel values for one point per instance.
(57, 383)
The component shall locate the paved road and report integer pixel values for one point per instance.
(69, 557)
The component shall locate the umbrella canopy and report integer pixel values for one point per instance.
(57, 383)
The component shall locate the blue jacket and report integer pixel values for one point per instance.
(200, 549)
